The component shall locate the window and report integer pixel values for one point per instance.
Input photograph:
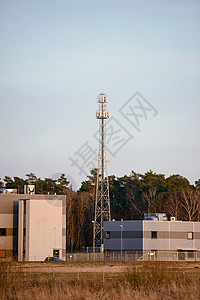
(190, 235)
(154, 234)
(181, 255)
(2, 253)
(2, 231)
(56, 253)
(190, 254)
(107, 236)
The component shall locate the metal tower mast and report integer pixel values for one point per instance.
(102, 201)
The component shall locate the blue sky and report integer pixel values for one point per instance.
(57, 55)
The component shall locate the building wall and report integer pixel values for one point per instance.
(44, 228)
(128, 237)
(8, 220)
(171, 235)
(64, 228)
(137, 235)
(162, 242)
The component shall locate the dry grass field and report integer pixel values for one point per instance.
(98, 280)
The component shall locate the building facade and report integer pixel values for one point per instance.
(153, 236)
(32, 227)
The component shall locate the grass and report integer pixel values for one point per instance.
(158, 274)
(138, 280)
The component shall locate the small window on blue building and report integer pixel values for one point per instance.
(107, 235)
(154, 234)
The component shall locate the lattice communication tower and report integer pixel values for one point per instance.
(102, 199)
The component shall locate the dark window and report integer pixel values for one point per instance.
(190, 235)
(154, 234)
(2, 231)
(190, 254)
(56, 253)
(181, 255)
(107, 235)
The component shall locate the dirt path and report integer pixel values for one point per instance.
(74, 269)
(95, 267)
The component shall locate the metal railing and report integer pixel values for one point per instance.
(136, 256)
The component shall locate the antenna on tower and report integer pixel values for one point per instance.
(102, 199)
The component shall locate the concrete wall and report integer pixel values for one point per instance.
(162, 242)
(171, 235)
(44, 229)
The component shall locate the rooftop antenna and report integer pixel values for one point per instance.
(102, 199)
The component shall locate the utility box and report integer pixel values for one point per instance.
(28, 189)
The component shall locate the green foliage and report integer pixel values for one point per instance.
(13, 184)
(42, 186)
(19, 181)
(151, 179)
(158, 203)
(63, 180)
(86, 186)
(49, 186)
(89, 185)
(31, 178)
(175, 182)
(8, 182)
(39, 186)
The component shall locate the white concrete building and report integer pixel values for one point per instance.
(32, 227)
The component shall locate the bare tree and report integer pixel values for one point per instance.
(146, 203)
(190, 202)
(135, 202)
(173, 206)
(70, 220)
(148, 198)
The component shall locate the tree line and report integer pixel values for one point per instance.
(130, 196)
(42, 186)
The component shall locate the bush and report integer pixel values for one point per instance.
(148, 275)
